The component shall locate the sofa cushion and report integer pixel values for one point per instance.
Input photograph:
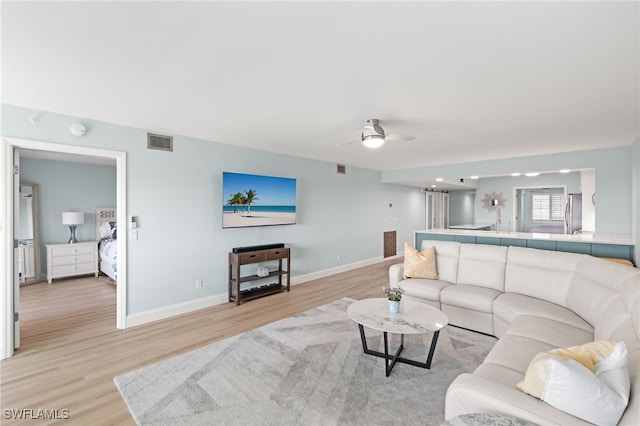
(498, 373)
(447, 253)
(424, 288)
(469, 297)
(596, 283)
(613, 316)
(549, 331)
(482, 265)
(470, 393)
(508, 306)
(545, 275)
(635, 316)
(515, 352)
(419, 264)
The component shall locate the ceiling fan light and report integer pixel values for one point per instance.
(373, 141)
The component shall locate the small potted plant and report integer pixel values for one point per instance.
(394, 294)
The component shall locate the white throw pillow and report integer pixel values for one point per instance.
(599, 398)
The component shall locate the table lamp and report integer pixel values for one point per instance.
(72, 219)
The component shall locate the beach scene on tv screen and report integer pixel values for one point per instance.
(253, 200)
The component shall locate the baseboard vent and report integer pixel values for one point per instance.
(341, 169)
(161, 142)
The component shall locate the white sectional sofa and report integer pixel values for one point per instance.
(533, 301)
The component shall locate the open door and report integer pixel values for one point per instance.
(16, 228)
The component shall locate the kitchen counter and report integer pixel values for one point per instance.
(585, 237)
(471, 227)
(595, 244)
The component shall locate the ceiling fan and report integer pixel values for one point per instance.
(374, 136)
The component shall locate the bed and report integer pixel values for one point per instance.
(106, 234)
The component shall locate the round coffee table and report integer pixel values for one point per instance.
(413, 318)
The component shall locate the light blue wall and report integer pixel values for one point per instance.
(462, 207)
(66, 186)
(613, 171)
(635, 156)
(506, 186)
(177, 197)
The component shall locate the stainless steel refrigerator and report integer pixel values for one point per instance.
(573, 214)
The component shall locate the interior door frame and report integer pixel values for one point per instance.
(7, 236)
(516, 218)
(436, 209)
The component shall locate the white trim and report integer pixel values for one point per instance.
(6, 227)
(219, 299)
(514, 213)
(121, 244)
(176, 309)
(6, 250)
(343, 268)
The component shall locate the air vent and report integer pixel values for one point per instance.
(341, 169)
(161, 142)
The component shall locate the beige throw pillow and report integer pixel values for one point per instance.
(420, 264)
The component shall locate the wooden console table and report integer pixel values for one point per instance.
(236, 260)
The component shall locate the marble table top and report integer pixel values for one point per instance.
(486, 419)
(413, 318)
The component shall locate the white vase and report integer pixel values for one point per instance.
(394, 306)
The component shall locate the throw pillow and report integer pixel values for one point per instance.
(589, 381)
(588, 355)
(420, 264)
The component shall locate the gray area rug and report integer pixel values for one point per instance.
(308, 369)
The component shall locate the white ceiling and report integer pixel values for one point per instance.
(470, 80)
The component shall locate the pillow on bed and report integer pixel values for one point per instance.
(105, 230)
(108, 230)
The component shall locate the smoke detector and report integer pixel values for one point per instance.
(78, 129)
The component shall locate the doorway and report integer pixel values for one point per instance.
(540, 209)
(9, 292)
(437, 210)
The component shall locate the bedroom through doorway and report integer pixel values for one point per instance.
(57, 152)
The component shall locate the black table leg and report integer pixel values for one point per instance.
(390, 360)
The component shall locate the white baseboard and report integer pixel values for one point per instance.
(218, 299)
(177, 309)
(342, 268)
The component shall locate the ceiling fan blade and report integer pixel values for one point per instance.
(349, 143)
(394, 137)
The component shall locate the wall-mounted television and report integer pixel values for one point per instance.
(254, 200)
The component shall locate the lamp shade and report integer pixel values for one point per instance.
(72, 218)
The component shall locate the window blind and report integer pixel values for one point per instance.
(547, 207)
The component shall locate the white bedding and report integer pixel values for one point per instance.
(108, 253)
(108, 250)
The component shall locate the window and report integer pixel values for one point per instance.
(547, 207)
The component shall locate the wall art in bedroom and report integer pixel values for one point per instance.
(253, 200)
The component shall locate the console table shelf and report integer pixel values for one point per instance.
(236, 260)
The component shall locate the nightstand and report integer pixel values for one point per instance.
(67, 260)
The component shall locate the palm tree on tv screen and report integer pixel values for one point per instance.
(236, 200)
(250, 199)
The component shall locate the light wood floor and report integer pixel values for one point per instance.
(71, 350)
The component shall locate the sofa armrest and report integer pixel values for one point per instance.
(470, 393)
(396, 274)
